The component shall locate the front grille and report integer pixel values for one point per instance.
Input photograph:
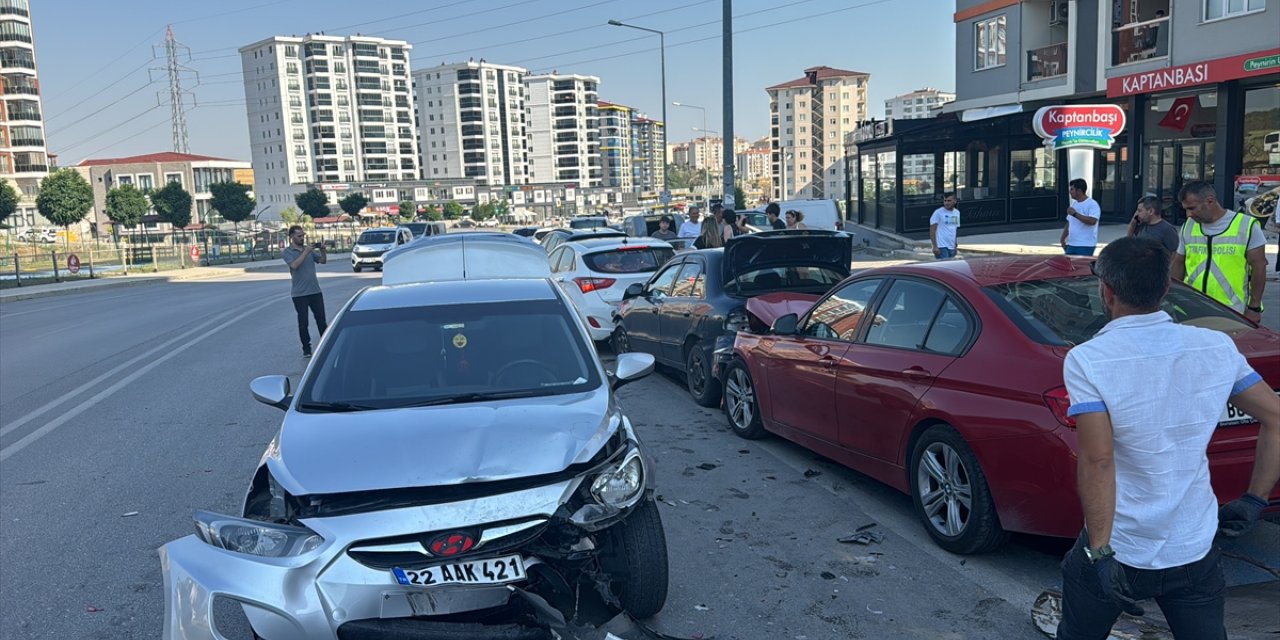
(376, 559)
(408, 628)
(369, 254)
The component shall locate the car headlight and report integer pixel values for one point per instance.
(254, 537)
(620, 486)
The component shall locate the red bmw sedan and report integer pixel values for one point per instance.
(944, 380)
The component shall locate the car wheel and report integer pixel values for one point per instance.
(636, 557)
(704, 388)
(951, 496)
(620, 341)
(740, 403)
(356, 269)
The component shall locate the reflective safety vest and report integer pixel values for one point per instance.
(1216, 265)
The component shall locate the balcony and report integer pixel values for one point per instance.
(30, 168)
(1140, 41)
(1047, 62)
(27, 142)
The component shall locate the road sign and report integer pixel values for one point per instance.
(665, 196)
(194, 252)
(73, 263)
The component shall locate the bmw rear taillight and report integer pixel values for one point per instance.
(1059, 403)
(587, 285)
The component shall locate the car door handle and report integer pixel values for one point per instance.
(827, 361)
(687, 314)
(916, 373)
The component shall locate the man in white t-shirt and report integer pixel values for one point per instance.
(1080, 234)
(1146, 394)
(691, 227)
(943, 225)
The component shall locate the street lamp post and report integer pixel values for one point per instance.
(706, 161)
(662, 51)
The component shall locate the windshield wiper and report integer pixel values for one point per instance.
(335, 407)
(472, 397)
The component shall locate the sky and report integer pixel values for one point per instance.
(105, 90)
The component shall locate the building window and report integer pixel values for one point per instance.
(173, 177)
(989, 43)
(145, 182)
(1215, 9)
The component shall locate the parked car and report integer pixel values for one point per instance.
(373, 243)
(555, 237)
(525, 232)
(420, 229)
(818, 213)
(41, 234)
(642, 226)
(695, 303)
(593, 274)
(944, 380)
(588, 222)
(435, 470)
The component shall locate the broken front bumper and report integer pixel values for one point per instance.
(311, 595)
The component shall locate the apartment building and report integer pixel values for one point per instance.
(471, 122)
(325, 108)
(810, 117)
(563, 129)
(1198, 81)
(24, 160)
(922, 103)
(153, 170)
(618, 145)
(648, 144)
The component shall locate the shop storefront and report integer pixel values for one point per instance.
(1217, 120)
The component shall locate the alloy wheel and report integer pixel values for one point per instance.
(740, 399)
(944, 487)
(697, 373)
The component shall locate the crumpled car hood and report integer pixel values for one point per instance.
(771, 306)
(320, 453)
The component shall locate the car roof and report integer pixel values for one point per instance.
(996, 270)
(380, 229)
(425, 294)
(472, 256)
(593, 244)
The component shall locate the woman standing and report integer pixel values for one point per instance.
(710, 237)
(795, 220)
(730, 227)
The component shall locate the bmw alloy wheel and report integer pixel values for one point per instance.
(944, 489)
(740, 399)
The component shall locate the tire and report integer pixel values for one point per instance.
(741, 405)
(953, 478)
(620, 342)
(356, 269)
(637, 558)
(704, 388)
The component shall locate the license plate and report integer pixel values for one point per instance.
(489, 571)
(1232, 416)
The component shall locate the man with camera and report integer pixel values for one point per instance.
(302, 259)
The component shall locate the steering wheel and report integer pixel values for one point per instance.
(542, 371)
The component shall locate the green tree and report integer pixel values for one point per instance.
(231, 199)
(453, 210)
(483, 211)
(291, 215)
(408, 211)
(313, 202)
(8, 200)
(65, 198)
(432, 213)
(502, 208)
(352, 203)
(739, 198)
(173, 204)
(682, 177)
(126, 205)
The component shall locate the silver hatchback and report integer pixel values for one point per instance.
(454, 454)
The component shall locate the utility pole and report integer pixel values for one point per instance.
(728, 106)
(174, 70)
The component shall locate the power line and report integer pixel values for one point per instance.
(107, 130)
(106, 66)
(81, 102)
(463, 16)
(126, 138)
(517, 22)
(103, 107)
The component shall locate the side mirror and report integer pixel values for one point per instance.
(631, 367)
(272, 390)
(785, 325)
(634, 290)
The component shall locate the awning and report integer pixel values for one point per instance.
(984, 113)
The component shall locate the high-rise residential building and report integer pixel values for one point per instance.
(471, 122)
(922, 103)
(649, 144)
(327, 108)
(618, 145)
(810, 117)
(563, 129)
(24, 160)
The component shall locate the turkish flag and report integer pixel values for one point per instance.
(1179, 115)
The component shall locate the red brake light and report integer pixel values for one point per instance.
(587, 285)
(1059, 402)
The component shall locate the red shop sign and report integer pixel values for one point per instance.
(1199, 73)
(1080, 125)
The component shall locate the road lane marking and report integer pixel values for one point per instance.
(216, 320)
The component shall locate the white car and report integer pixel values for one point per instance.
(594, 273)
(372, 243)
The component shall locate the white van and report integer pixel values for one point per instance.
(818, 213)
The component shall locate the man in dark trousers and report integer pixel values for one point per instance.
(1150, 514)
(302, 259)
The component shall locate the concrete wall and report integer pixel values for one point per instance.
(972, 84)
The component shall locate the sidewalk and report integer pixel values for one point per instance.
(140, 278)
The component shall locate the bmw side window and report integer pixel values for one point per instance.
(950, 330)
(838, 316)
(905, 314)
(661, 284)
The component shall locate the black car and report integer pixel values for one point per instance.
(558, 236)
(695, 304)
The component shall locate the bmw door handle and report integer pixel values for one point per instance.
(827, 361)
(916, 373)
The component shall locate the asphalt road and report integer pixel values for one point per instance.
(123, 411)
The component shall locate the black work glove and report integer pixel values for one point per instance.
(1115, 585)
(1235, 517)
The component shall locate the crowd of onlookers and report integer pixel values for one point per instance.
(722, 224)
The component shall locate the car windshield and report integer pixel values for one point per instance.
(377, 237)
(588, 223)
(628, 259)
(417, 228)
(1069, 311)
(799, 279)
(417, 356)
(755, 218)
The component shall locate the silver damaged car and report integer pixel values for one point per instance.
(452, 461)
